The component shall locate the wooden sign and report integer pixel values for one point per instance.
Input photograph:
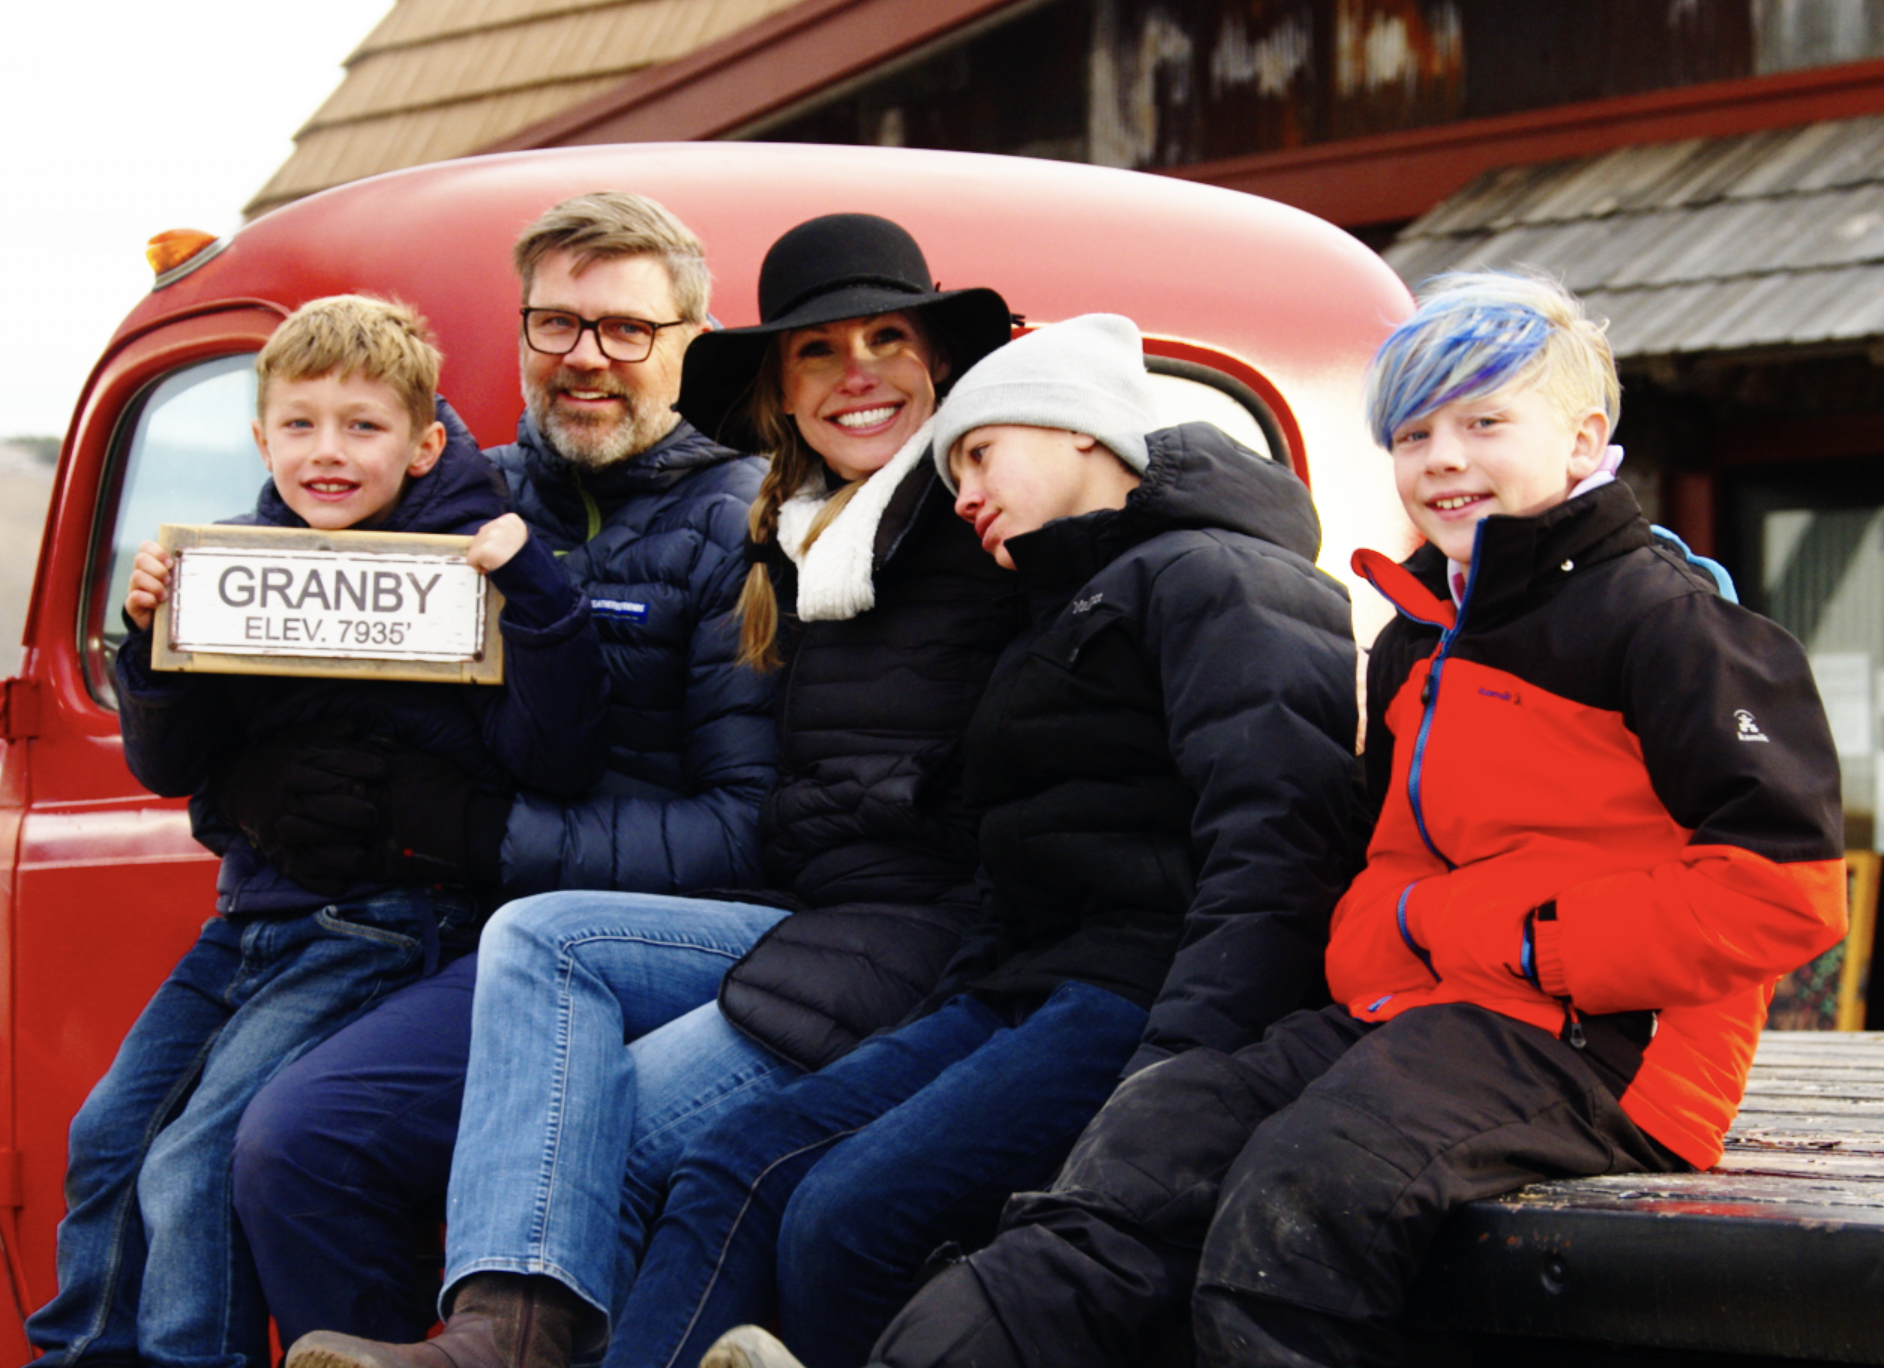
(294, 601)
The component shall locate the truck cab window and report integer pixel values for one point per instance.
(1190, 392)
(188, 458)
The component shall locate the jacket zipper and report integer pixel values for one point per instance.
(1572, 1026)
(590, 508)
(1429, 704)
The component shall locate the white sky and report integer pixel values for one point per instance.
(119, 119)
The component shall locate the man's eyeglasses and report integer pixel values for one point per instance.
(557, 332)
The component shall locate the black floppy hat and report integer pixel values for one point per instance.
(826, 269)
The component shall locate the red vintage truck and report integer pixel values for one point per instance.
(1257, 316)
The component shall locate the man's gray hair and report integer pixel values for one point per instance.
(611, 223)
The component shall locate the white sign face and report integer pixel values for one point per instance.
(382, 606)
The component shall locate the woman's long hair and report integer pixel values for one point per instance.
(793, 465)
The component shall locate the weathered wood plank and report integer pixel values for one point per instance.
(1802, 1128)
(1842, 1083)
(1803, 1163)
(1804, 1103)
(1765, 1196)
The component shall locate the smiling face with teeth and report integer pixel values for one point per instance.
(1510, 452)
(341, 448)
(859, 388)
(594, 411)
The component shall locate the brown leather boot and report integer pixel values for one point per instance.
(498, 1320)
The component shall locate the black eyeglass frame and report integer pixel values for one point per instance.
(594, 325)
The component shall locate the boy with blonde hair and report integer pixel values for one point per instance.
(1608, 821)
(152, 1269)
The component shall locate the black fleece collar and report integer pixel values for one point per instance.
(1519, 558)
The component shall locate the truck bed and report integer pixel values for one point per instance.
(1777, 1255)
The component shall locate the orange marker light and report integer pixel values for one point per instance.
(169, 250)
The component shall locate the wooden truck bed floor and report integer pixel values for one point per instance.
(1776, 1255)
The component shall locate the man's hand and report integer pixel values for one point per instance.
(150, 580)
(496, 542)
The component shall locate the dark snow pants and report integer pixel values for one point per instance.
(1279, 1199)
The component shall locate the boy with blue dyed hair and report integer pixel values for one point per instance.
(1609, 821)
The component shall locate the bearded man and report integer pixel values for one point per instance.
(343, 1159)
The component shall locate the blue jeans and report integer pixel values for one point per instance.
(825, 1197)
(341, 1164)
(152, 1266)
(557, 1111)
(345, 1156)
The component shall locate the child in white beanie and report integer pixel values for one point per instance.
(1050, 426)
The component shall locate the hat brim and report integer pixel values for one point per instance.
(721, 366)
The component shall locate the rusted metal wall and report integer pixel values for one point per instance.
(1162, 83)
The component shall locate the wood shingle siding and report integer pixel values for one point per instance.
(443, 78)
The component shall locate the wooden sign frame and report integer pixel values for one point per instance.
(486, 667)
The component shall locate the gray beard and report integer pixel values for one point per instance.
(594, 444)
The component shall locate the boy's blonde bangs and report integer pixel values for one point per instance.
(1576, 370)
(355, 335)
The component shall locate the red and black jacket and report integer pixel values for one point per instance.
(1610, 807)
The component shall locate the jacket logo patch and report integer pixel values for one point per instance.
(1502, 695)
(1086, 605)
(1749, 729)
(620, 609)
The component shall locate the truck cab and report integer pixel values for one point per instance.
(1256, 316)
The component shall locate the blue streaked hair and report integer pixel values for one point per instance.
(1476, 332)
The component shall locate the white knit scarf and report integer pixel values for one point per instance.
(834, 576)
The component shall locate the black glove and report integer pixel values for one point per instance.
(304, 797)
(439, 826)
(329, 809)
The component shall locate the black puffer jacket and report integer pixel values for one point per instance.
(1166, 758)
(866, 833)
(655, 543)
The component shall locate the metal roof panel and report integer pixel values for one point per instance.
(1755, 240)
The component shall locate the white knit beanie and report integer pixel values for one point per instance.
(1084, 375)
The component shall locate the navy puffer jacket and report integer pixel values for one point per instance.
(657, 543)
(539, 728)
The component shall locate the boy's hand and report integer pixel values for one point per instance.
(496, 542)
(150, 583)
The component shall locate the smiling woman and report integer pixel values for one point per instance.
(837, 383)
